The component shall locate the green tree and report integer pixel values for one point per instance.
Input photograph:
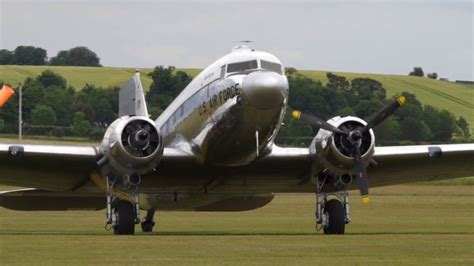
(100, 105)
(464, 126)
(49, 78)
(61, 59)
(62, 101)
(80, 126)
(166, 86)
(417, 71)
(29, 55)
(346, 111)
(433, 75)
(2, 125)
(33, 93)
(82, 56)
(43, 115)
(365, 88)
(441, 123)
(77, 56)
(412, 108)
(307, 95)
(6, 57)
(367, 108)
(414, 130)
(337, 83)
(388, 132)
(163, 82)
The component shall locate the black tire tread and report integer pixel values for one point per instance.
(126, 218)
(336, 224)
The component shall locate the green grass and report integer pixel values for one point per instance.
(80, 76)
(456, 98)
(403, 225)
(465, 181)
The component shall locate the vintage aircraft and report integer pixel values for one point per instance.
(213, 149)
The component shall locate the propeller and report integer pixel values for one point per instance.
(354, 136)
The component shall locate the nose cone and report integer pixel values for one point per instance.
(265, 89)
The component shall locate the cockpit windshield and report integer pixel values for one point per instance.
(242, 66)
(275, 67)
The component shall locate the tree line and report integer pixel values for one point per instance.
(418, 72)
(52, 107)
(364, 97)
(37, 56)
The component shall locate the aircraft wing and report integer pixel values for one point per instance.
(397, 164)
(404, 164)
(56, 167)
(69, 168)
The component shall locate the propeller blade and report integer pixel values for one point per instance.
(384, 113)
(361, 175)
(316, 122)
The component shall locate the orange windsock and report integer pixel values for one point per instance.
(5, 93)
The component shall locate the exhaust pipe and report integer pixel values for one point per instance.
(132, 180)
(343, 181)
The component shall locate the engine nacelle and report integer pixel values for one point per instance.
(334, 150)
(131, 146)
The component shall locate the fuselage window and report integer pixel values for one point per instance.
(275, 67)
(242, 66)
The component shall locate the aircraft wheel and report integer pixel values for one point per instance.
(125, 218)
(335, 213)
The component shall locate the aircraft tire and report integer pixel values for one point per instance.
(336, 223)
(125, 215)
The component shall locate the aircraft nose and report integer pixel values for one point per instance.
(265, 89)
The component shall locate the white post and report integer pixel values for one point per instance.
(20, 120)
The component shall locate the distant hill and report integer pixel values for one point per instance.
(455, 97)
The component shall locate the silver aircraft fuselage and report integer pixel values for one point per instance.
(231, 112)
(228, 116)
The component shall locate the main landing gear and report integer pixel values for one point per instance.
(123, 211)
(332, 212)
(332, 208)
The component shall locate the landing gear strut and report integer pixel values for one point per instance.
(123, 210)
(147, 222)
(332, 209)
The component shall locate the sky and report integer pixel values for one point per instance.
(350, 36)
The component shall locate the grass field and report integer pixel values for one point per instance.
(403, 225)
(80, 76)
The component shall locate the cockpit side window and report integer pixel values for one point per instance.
(275, 67)
(242, 66)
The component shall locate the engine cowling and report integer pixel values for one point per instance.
(333, 150)
(132, 146)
